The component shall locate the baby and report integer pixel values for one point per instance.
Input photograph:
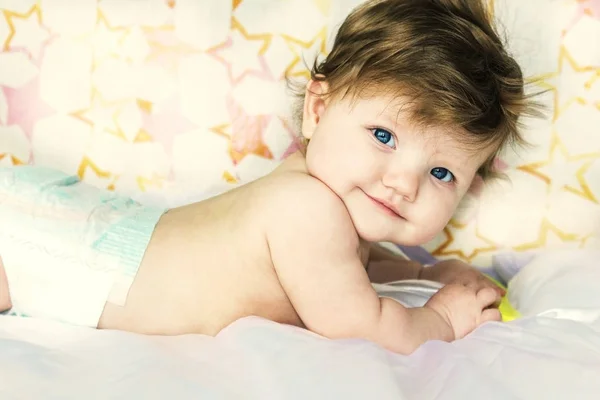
(414, 101)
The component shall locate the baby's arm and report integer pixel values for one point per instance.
(5, 303)
(385, 266)
(314, 248)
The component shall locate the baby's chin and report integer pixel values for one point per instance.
(410, 237)
(418, 237)
(404, 236)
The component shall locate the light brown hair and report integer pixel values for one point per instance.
(443, 54)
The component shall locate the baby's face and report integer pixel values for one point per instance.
(399, 182)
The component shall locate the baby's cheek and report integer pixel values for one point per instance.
(427, 235)
(434, 223)
(416, 233)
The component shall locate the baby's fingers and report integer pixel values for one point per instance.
(487, 297)
(483, 282)
(490, 314)
(490, 283)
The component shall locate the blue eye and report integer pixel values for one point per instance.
(384, 137)
(442, 174)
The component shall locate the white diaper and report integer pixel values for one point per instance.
(68, 247)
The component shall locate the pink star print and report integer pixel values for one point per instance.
(25, 107)
(166, 123)
(584, 7)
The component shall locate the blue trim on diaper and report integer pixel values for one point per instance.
(129, 237)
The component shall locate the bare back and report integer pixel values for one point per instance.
(209, 264)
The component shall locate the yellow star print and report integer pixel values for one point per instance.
(563, 171)
(316, 46)
(464, 241)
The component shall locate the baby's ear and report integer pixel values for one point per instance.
(314, 105)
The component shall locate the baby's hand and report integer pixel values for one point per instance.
(464, 308)
(458, 272)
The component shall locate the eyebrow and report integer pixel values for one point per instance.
(460, 160)
(392, 114)
(455, 165)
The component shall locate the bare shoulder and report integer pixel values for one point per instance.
(303, 205)
(314, 251)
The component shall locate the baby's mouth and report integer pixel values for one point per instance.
(380, 204)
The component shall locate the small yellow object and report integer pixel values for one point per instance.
(507, 311)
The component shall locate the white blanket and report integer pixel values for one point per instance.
(552, 353)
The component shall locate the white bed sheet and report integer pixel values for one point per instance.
(553, 353)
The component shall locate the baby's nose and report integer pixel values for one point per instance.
(404, 183)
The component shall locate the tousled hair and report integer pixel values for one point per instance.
(445, 55)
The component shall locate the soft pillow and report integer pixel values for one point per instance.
(561, 283)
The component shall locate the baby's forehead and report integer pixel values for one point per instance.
(447, 147)
(399, 112)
